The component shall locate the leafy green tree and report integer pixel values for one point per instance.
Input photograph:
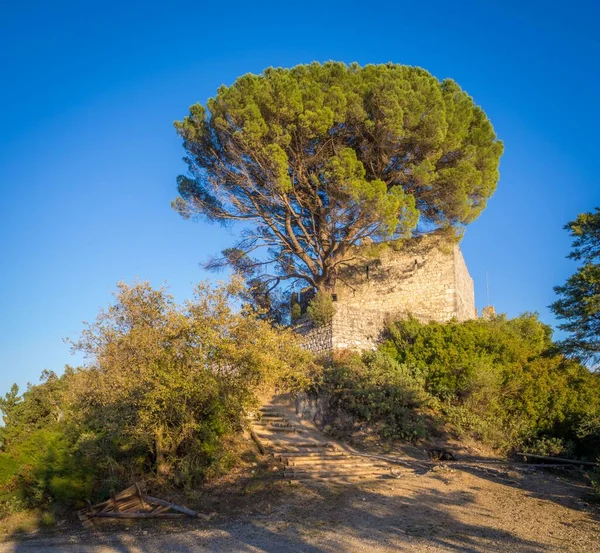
(321, 309)
(317, 160)
(167, 386)
(40, 461)
(578, 305)
(40, 405)
(165, 392)
(9, 406)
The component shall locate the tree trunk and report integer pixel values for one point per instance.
(162, 466)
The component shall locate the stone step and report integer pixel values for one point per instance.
(332, 474)
(334, 461)
(335, 467)
(335, 479)
(279, 429)
(314, 455)
(338, 467)
(290, 438)
(282, 449)
(270, 423)
(306, 457)
(319, 459)
(296, 446)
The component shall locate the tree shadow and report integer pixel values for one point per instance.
(319, 518)
(569, 490)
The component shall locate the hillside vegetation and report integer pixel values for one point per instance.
(164, 394)
(166, 391)
(500, 381)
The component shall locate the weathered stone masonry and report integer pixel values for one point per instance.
(428, 280)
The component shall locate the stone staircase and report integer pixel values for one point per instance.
(307, 455)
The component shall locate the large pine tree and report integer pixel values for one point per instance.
(317, 160)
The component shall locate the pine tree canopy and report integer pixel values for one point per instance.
(318, 160)
(578, 305)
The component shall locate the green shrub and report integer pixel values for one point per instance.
(10, 504)
(9, 468)
(587, 434)
(595, 480)
(550, 446)
(166, 391)
(378, 391)
(321, 309)
(500, 381)
(52, 469)
(295, 312)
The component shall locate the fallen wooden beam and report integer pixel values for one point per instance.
(559, 460)
(138, 515)
(169, 505)
(257, 441)
(550, 466)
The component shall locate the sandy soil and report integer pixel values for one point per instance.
(463, 508)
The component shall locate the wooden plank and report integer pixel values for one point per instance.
(126, 492)
(159, 509)
(257, 442)
(115, 504)
(558, 460)
(550, 466)
(140, 497)
(108, 507)
(163, 503)
(130, 505)
(138, 515)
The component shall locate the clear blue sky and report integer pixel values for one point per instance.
(88, 155)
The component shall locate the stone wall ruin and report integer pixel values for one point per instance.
(427, 279)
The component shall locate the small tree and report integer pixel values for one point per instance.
(578, 305)
(318, 159)
(167, 385)
(321, 309)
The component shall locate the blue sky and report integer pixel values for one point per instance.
(88, 155)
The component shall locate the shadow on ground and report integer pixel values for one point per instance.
(408, 514)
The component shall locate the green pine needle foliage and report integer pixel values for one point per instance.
(578, 303)
(318, 159)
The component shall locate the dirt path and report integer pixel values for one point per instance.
(449, 510)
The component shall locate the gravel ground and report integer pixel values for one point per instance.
(460, 508)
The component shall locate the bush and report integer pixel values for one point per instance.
(9, 468)
(503, 379)
(379, 392)
(500, 381)
(51, 468)
(164, 396)
(549, 446)
(321, 309)
(295, 312)
(595, 480)
(170, 385)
